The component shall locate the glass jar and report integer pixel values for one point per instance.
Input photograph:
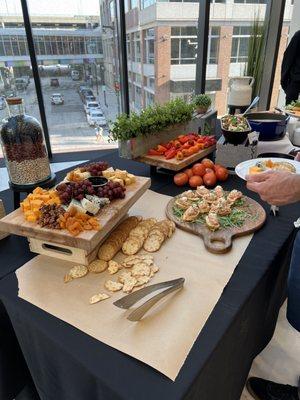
(23, 145)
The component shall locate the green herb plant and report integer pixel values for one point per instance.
(151, 120)
(202, 102)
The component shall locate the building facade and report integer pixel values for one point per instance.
(73, 41)
(162, 47)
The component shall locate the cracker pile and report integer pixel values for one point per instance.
(114, 242)
(148, 234)
(137, 236)
(158, 234)
(138, 270)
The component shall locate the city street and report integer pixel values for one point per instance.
(67, 123)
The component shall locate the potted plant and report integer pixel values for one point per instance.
(136, 133)
(202, 103)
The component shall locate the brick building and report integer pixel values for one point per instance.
(162, 46)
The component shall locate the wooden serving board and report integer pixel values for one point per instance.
(173, 164)
(108, 217)
(220, 241)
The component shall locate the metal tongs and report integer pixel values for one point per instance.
(132, 298)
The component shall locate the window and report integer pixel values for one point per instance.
(184, 48)
(252, 1)
(149, 46)
(137, 47)
(147, 3)
(128, 47)
(134, 3)
(149, 98)
(240, 42)
(138, 98)
(213, 45)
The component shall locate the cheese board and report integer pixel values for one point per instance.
(61, 241)
(220, 241)
(174, 164)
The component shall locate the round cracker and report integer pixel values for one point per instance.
(98, 266)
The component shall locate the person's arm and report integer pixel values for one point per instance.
(289, 56)
(275, 187)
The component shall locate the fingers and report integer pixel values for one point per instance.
(258, 177)
(255, 186)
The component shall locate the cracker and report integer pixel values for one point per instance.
(67, 278)
(124, 276)
(142, 280)
(113, 267)
(158, 232)
(78, 271)
(97, 266)
(113, 286)
(154, 268)
(139, 231)
(152, 243)
(140, 269)
(129, 284)
(131, 246)
(98, 297)
(136, 288)
(107, 251)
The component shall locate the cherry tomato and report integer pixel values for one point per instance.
(181, 179)
(198, 169)
(189, 172)
(210, 179)
(216, 166)
(222, 174)
(207, 163)
(195, 181)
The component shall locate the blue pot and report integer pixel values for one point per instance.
(271, 126)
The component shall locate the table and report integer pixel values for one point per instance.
(67, 364)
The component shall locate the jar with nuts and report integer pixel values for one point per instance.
(23, 144)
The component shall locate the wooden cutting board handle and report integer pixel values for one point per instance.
(218, 243)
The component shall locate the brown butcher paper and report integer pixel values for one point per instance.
(164, 337)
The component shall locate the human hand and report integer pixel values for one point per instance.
(275, 187)
(297, 157)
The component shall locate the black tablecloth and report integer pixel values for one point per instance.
(67, 364)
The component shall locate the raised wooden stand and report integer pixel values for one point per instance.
(60, 243)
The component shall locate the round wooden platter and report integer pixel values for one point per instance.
(220, 241)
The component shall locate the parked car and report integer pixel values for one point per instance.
(54, 82)
(81, 88)
(57, 99)
(21, 83)
(2, 102)
(86, 92)
(75, 75)
(96, 117)
(89, 98)
(92, 105)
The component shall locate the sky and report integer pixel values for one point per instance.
(52, 7)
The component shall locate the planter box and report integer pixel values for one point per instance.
(139, 146)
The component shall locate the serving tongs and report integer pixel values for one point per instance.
(132, 298)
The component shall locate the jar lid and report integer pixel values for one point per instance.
(14, 100)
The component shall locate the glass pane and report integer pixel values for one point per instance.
(15, 66)
(70, 52)
(229, 50)
(289, 28)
